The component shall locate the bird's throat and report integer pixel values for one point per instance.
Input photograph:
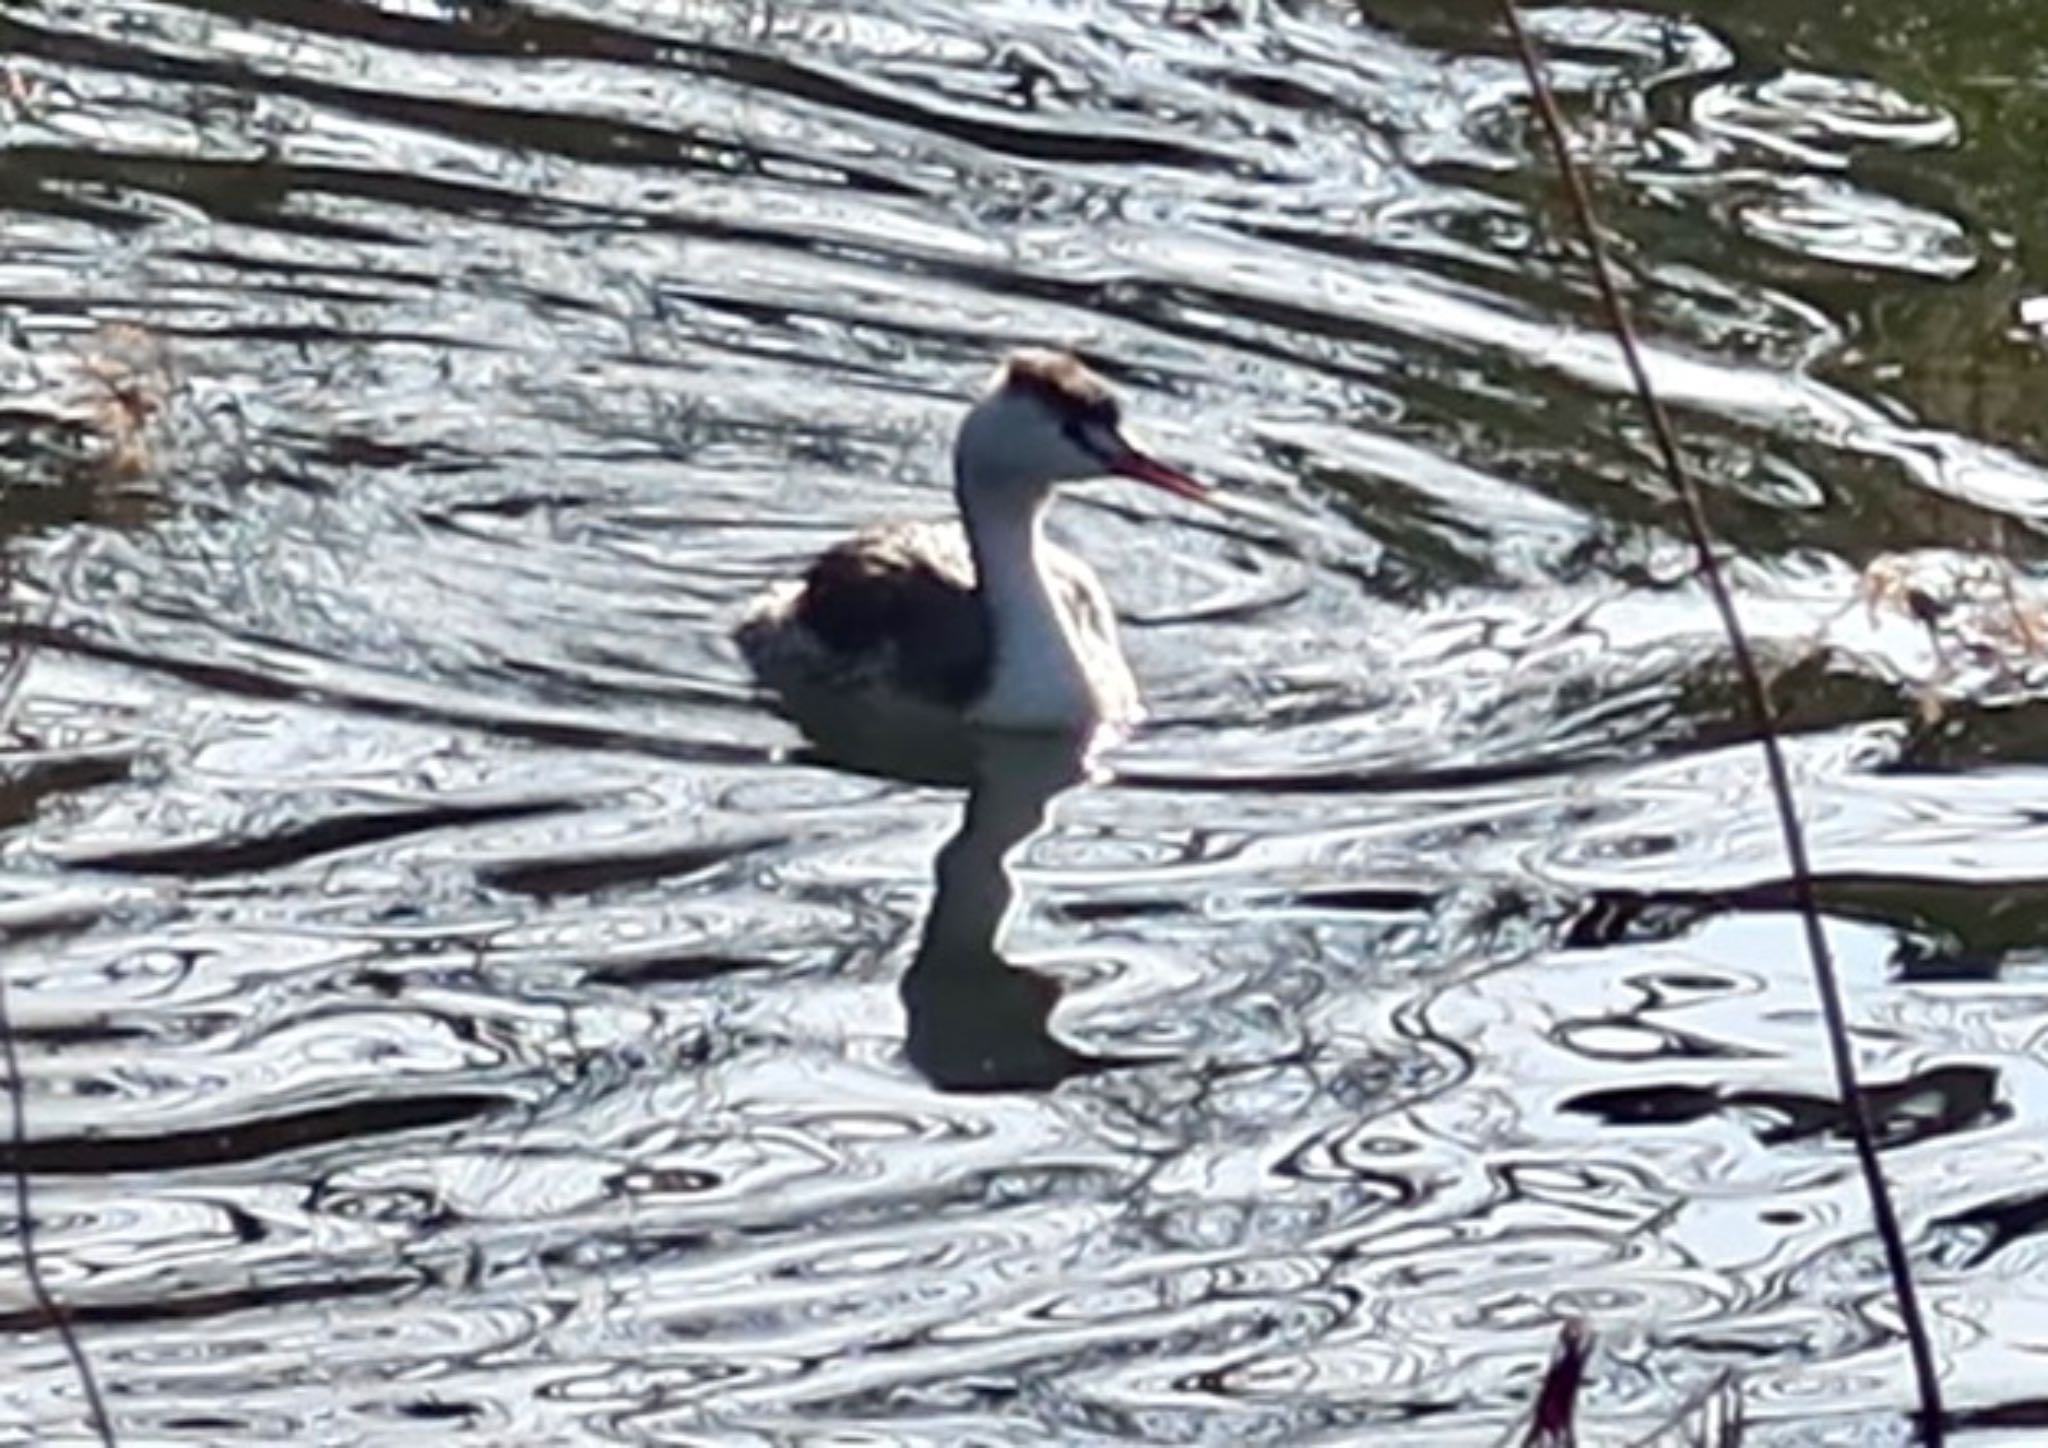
(1037, 678)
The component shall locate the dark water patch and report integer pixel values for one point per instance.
(1098, 911)
(226, 1304)
(674, 970)
(609, 140)
(1948, 929)
(493, 30)
(430, 1410)
(26, 783)
(1982, 1232)
(2023, 1413)
(215, 858)
(241, 1141)
(301, 677)
(1087, 145)
(1367, 900)
(58, 1037)
(569, 875)
(1935, 1102)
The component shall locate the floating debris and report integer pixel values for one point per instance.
(76, 419)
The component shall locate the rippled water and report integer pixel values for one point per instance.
(455, 1008)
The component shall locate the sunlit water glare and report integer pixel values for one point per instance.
(455, 1008)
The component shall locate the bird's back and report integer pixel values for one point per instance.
(892, 609)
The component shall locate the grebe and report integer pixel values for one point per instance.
(983, 625)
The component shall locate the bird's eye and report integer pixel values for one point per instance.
(1087, 434)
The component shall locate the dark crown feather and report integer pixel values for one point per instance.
(1063, 382)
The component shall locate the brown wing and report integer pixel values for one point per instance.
(904, 594)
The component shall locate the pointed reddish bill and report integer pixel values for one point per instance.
(1131, 463)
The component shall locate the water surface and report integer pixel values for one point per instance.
(455, 1008)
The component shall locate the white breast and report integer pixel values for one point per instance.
(1058, 664)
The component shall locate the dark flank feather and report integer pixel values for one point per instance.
(904, 592)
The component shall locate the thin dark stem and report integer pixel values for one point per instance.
(1826, 982)
(24, 1232)
(17, 1097)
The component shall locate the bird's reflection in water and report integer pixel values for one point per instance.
(974, 1021)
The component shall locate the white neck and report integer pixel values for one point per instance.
(1039, 680)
